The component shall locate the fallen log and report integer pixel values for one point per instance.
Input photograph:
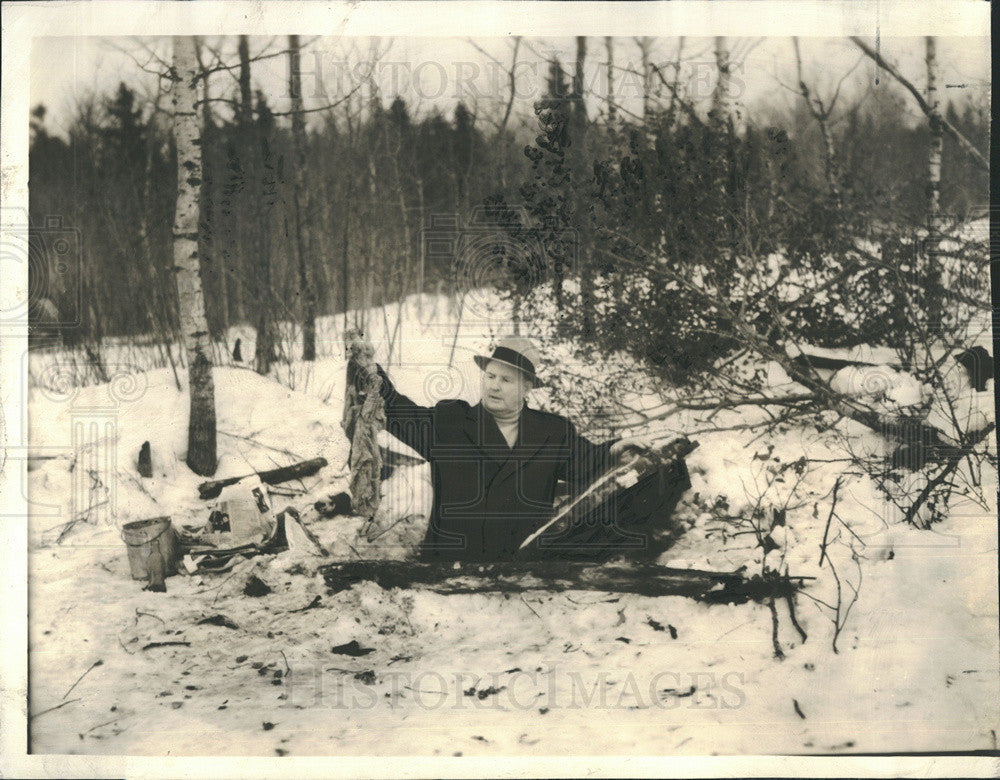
(644, 579)
(306, 468)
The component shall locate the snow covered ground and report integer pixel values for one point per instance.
(580, 673)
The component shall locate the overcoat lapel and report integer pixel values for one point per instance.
(482, 431)
(532, 435)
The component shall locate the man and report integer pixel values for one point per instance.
(495, 466)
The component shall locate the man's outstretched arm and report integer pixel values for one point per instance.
(406, 420)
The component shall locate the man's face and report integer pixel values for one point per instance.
(504, 388)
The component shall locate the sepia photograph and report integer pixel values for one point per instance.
(459, 381)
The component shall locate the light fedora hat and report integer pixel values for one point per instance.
(516, 351)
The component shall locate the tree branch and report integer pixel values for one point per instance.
(889, 68)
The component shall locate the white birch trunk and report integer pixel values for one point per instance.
(609, 46)
(721, 102)
(934, 221)
(937, 140)
(201, 456)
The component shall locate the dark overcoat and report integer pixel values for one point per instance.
(489, 496)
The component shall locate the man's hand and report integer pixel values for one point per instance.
(634, 445)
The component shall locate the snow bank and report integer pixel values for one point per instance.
(490, 674)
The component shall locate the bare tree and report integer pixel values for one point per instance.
(216, 272)
(721, 96)
(260, 268)
(201, 456)
(821, 112)
(934, 220)
(580, 122)
(303, 213)
(937, 140)
(645, 46)
(609, 46)
(925, 106)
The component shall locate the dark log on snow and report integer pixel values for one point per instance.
(517, 577)
(306, 468)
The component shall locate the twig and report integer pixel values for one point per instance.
(790, 598)
(94, 665)
(530, 607)
(833, 506)
(165, 644)
(263, 446)
(50, 709)
(148, 614)
(774, 629)
(218, 590)
(106, 723)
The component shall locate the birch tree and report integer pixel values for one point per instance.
(721, 104)
(934, 221)
(609, 47)
(579, 166)
(201, 456)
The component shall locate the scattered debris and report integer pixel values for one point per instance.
(145, 464)
(367, 677)
(151, 645)
(352, 648)
(485, 692)
(256, 587)
(332, 506)
(311, 605)
(217, 620)
(678, 693)
(798, 709)
(267, 725)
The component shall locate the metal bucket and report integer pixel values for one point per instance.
(141, 537)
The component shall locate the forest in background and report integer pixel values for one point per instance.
(378, 172)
